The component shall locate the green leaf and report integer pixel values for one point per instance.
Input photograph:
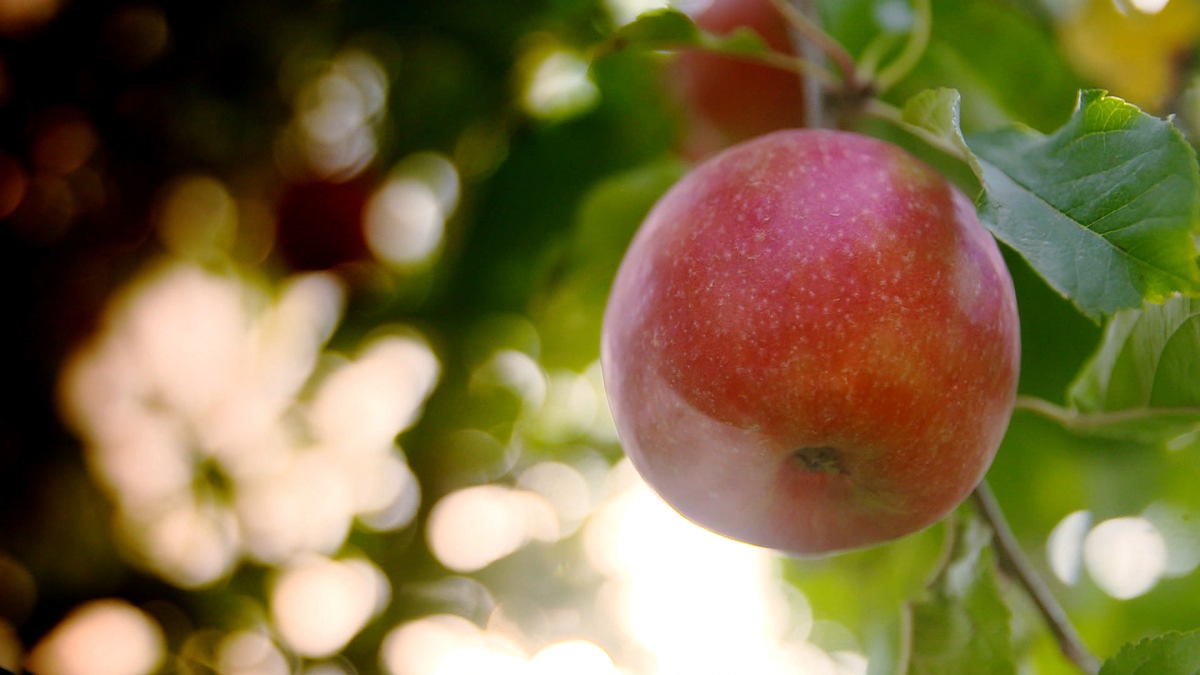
(1104, 209)
(657, 29)
(1017, 74)
(569, 310)
(1170, 654)
(937, 113)
(1144, 360)
(669, 29)
(963, 624)
(1142, 384)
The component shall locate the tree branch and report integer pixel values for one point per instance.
(804, 21)
(814, 91)
(1013, 560)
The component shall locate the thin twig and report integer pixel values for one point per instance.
(811, 31)
(1013, 560)
(1084, 421)
(810, 70)
(914, 49)
(814, 91)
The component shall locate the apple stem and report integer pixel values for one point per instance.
(814, 90)
(889, 113)
(816, 46)
(1014, 561)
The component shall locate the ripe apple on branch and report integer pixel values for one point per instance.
(812, 344)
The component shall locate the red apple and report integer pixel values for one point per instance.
(320, 223)
(725, 100)
(812, 344)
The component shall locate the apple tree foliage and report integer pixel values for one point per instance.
(1098, 204)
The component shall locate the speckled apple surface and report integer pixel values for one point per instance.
(812, 344)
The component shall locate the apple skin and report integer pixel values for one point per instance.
(812, 344)
(320, 223)
(726, 100)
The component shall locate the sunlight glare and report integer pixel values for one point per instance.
(1125, 556)
(319, 604)
(697, 601)
(578, 657)
(102, 637)
(446, 644)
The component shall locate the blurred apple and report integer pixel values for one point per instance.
(812, 344)
(320, 223)
(725, 100)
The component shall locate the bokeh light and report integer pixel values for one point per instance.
(250, 652)
(198, 217)
(406, 217)
(1064, 546)
(1125, 556)
(445, 644)
(625, 11)
(222, 429)
(102, 637)
(579, 657)
(22, 16)
(563, 487)
(11, 650)
(1147, 6)
(471, 528)
(1177, 525)
(556, 82)
(425, 646)
(319, 604)
(338, 109)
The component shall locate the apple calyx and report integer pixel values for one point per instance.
(820, 459)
